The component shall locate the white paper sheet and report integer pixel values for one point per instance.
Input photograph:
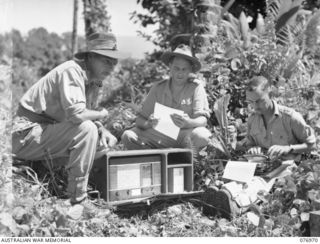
(166, 125)
(239, 171)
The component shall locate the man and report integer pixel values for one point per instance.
(179, 92)
(53, 119)
(275, 130)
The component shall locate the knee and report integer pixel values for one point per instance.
(89, 128)
(200, 137)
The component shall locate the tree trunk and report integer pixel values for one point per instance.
(74, 39)
(87, 21)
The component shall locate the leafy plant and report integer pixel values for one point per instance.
(220, 109)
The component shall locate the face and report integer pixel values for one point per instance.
(258, 100)
(180, 69)
(100, 66)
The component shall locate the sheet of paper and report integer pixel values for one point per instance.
(166, 125)
(239, 171)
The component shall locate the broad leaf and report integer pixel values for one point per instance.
(286, 18)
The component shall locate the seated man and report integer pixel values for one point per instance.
(277, 130)
(177, 92)
(53, 119)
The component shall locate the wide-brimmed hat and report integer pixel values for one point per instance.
(182, 51)
(104, 44)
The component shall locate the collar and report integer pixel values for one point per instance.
(167, 90)
(83, 70)
(276, 108)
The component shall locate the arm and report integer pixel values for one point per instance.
(200, 121)
(302, 132)
(88, 114)
(73, 98)
(200, 107)
(145, 119)
(184, 121)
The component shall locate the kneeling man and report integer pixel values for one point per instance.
(275, 130)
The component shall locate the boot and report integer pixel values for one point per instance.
(77, 188)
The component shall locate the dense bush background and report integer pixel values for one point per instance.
(290, 58)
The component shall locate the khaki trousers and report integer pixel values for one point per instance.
(76, 141)
(194, 138)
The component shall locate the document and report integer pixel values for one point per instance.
(239, 171)
(166, 125)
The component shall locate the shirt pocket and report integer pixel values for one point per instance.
(280, 138)
(279, 134)
(257, 137)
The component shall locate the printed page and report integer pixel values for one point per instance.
(166, 125)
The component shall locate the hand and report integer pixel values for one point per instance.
(276, 151)
(182, 121)
(255, 150)
(107, 139)
(152, 121)
(104, 113)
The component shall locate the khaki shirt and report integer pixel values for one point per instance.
(287, 127)
(192, 100)
(60, 94)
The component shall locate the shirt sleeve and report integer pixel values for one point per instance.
(72, 92)
(200, 102)
(148, 105)
(303, 132)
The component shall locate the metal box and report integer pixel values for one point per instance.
(124, 176)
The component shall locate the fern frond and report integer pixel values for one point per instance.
(273, 8)
(284, 36)
(231, 30)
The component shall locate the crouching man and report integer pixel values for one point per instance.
(274, 130)
(179, 92)
(53, 119)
